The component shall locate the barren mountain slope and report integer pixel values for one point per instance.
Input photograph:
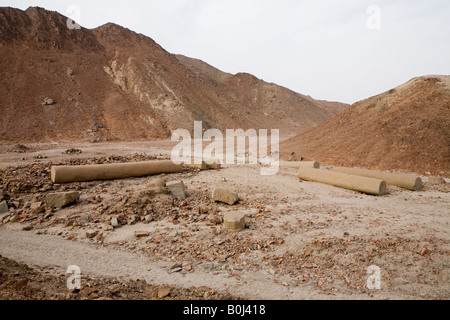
(37, 51)
(405, 128)
(111, 83)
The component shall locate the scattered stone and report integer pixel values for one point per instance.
(4, 207)
(225, 196)
(19, 148)
(35, 205)
(213, 165)
(188, 268)
(14, 218)
(39, 210)
(91, 235)
(424, 251)
(61, 200)
(203, 210)
(73, 151)
(177, 189)
(20, 284)
(436, 180)
(216, 220)
(401, 282)
(28, 227)
(234, 221)
(48, 215)
(89, 293)
(157, 186)
(141, 234)
(48, 102)
(70, 72)
(115, 222)
(163, 292)
(131, 220)
(321, 282)
(176, 267)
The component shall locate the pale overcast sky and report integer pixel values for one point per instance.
(345, 50)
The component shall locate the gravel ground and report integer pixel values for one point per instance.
(302, 240)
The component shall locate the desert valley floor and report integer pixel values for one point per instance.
(302, 240)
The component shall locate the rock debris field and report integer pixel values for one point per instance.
(170, 237)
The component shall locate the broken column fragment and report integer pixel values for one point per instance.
(299, 164)
(357, 183)
(234, 221)
(177, 189)
(157, 186)
(436, 180)
(225, 196)
(66, 174)
(405, 181)
(61, 200)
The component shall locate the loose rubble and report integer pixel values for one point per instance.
(213, 231)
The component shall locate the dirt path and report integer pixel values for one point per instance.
(52, 251)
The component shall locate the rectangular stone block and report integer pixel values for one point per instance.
(4, 207)
(234, 221)
(61, 200)
(225, 196)
(177, 189)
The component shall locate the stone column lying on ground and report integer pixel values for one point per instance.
(299, 164)
(65, 174)
(357, 183)
(405, 181)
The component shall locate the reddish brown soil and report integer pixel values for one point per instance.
(407, 128)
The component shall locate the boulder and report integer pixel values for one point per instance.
(234, 221)
(115, 222)
(48, 102)
(225, 196)
(436, 180)
(177, 189)
(157, 186)
(61, 200)
(4, 207)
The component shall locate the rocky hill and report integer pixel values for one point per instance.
(406, 128)
(111, 83)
